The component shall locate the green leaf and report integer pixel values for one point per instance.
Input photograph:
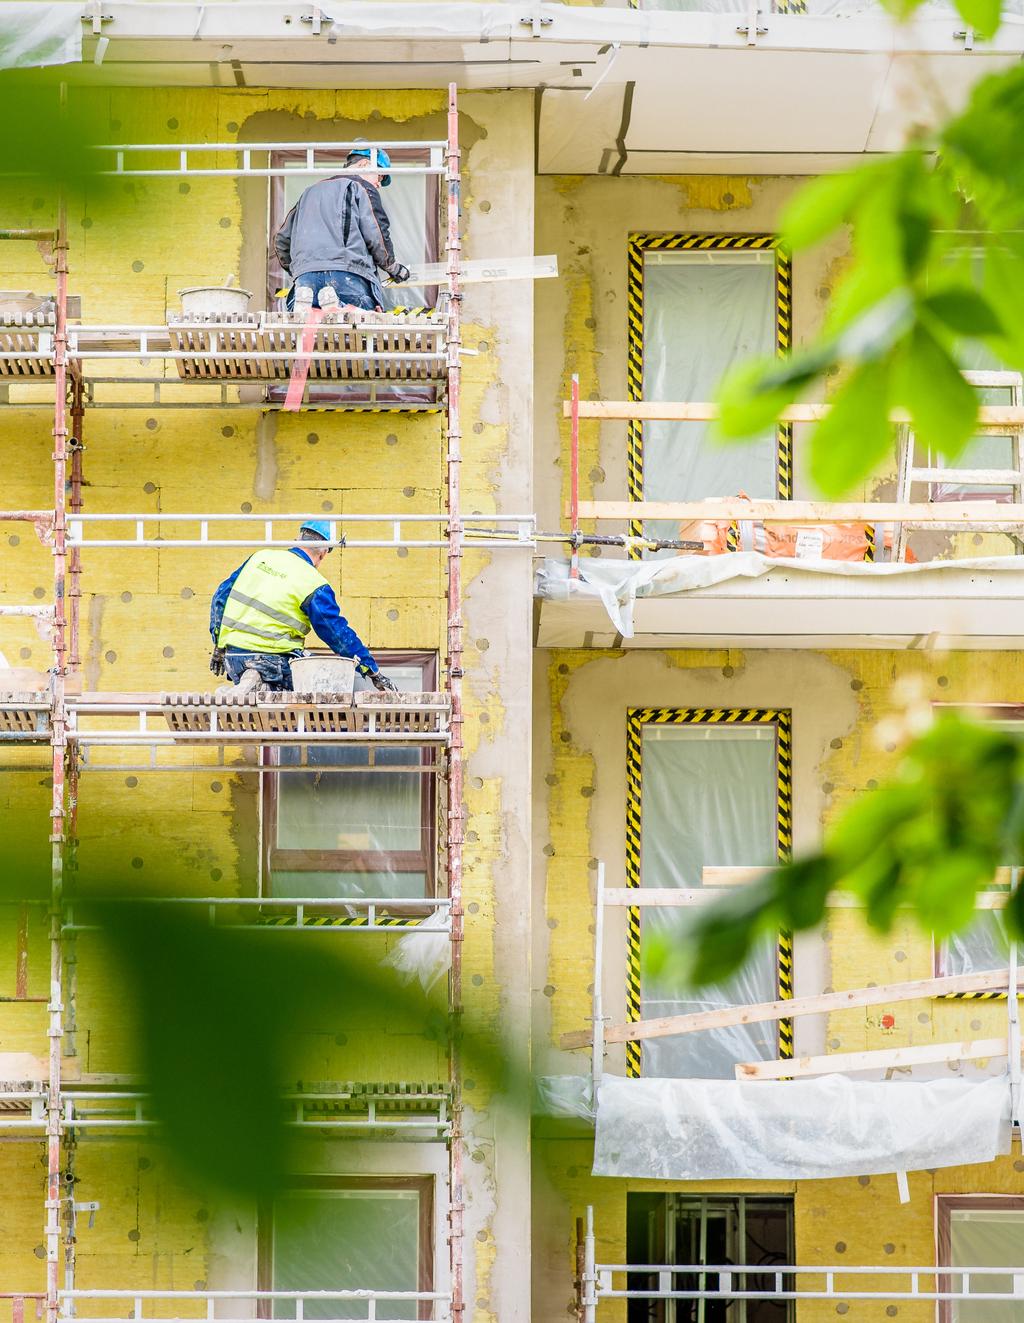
(965, 311)
(822, 206)
(754, 393)
(943, 406)
(982, 15)
(855, 434)
(1004, 289)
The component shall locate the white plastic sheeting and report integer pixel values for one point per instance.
(563, 1096)
(705, 1130)
(33, 35)
(708, 799)
(981, 946)
(986, 1238)
(618, 583)
(703, 311)
(423, 956)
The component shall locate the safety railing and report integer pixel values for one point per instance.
(244, 1306)
(354, 914)
(724, 1283)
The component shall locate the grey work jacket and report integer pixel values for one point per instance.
(338, 224)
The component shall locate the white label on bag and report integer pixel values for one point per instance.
(810, 544)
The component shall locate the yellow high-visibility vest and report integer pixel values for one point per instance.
(264, 612)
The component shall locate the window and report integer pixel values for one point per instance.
(981, 1231)
(698, 304)
(340, 1233)
(706, 788)
(689, 1229)
(412, 203)
(346, 828)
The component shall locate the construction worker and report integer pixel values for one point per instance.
(261, 614)
(336, 237)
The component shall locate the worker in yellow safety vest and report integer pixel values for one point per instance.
(261, 614)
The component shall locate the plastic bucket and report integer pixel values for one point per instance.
(214, 301)
(323, 675)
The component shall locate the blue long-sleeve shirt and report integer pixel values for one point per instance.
(324, 615)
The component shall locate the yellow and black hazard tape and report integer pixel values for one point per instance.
(636, 719)
(648, 242)
(336, 921)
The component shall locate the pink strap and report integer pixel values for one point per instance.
(300, 366)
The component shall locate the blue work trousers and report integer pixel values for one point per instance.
(350, 288)
(274, 667)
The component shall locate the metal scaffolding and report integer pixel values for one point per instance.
(45, 354)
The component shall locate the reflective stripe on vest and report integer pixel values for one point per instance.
(264, 612)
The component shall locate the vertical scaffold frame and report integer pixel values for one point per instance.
(69, 402)
(636, 719)
(641, 243)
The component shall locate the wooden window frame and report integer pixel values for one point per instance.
(423, 860)
(423, 1185)
(944, 1205)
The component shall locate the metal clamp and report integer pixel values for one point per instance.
(316, 20)
(97, 18)
(535, 22)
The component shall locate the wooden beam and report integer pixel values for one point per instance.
(733, 875)
(989, 415)
(950, 514)
(888, 994)
(892, 1058)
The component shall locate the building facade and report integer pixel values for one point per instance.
(548, 736)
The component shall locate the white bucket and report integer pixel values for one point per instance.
(20, 302)
(214, 301)
(324, 675)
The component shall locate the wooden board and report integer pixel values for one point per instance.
(298, 714)
(895, 1058)
(30, 334)
(944, 514)
(989, 415)
(824, 1003)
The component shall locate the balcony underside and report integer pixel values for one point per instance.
(964, 604)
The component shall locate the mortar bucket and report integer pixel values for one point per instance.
(214, 301)
(324, 675)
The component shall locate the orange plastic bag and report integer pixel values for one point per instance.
(849, 542)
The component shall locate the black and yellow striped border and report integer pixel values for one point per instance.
(338, 921)
(646, 242)
(636, 719)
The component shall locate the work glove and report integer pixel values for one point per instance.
(382, 683)
(398, 273)
(217, 663)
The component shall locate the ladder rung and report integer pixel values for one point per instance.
(969, 477)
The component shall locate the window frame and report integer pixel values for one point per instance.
(987, 714)
(645, 241)
(948, 1203)
(422, 1184)
(423, 860)
(636, 719)
(276, 210)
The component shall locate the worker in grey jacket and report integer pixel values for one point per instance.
(336, 237)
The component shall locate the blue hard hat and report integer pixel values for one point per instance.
(321, 527)
(365, 153)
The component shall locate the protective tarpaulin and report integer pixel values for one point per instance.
(564, 1096)
(618, 583)
(805, 1129)
(708, 799)
(423, 956)
(32, 35)
(703, 311)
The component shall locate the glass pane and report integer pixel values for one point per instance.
(360, 812)
(346, 1240)
(709, 798)
(703, 312)
(987, 1238)
(330, 885)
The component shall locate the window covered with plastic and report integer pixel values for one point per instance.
(703, 312)
(349, 1237)
(708, 798)
(349, 828)
(983, 1232)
